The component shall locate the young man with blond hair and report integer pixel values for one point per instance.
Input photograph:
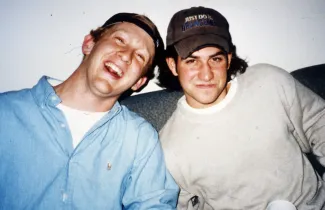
(72, 145)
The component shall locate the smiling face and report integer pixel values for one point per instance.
(203, 76)
(118, 60)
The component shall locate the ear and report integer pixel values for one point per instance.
(87, 44)
(229, 59)
(172, 65)
(139, 83)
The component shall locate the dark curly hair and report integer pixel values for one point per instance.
(167, 80)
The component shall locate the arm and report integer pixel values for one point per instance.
(308, 114)
(149, 184)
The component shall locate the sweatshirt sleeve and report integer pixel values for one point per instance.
(149, 184)
(307, 113)
(187, 201)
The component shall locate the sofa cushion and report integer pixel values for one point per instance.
(313, 77)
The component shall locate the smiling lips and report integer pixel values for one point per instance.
(113, 69)
(206, 86)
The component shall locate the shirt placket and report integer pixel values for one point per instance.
(64, 139)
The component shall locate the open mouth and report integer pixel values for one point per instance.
(113, 70)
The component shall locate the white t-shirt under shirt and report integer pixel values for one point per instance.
(215, 108)
(79, 121)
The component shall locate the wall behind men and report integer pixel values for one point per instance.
(44, 37)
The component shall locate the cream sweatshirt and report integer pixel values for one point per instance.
(249, 150)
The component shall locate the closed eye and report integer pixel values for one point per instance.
(141, 57)
(119, 40)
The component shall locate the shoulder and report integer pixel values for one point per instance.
(11, 95)
(174, 123)
(136, 122)
(15, 103)
(267, 75)
(132, 116)
(144, 135)
(265, 80)
(10, 98)
(156, 107)
(267, 71)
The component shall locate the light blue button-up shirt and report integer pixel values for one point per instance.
(119, 163)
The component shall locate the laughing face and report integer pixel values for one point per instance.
(118, 60)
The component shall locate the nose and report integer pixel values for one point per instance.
(126, 56)
(205, 73)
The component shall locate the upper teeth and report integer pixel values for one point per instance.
(114, 68)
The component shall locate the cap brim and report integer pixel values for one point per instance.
(187, 46)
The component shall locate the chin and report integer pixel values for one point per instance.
(102, 88)
(207, 100)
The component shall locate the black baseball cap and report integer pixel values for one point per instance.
(131, 18)
(197, 27)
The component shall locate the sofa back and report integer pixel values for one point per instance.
(157, 106)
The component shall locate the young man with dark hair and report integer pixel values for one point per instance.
(72, 145)
(239, 136)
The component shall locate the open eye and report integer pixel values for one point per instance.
(190, 61)
(217, 59)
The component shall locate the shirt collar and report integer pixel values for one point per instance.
(44, 93)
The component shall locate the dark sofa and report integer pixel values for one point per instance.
(158, 106)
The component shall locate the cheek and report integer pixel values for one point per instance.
(221, 71)
(136, 69)
(107, 46)
(187, 74)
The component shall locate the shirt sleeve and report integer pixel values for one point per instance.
(308, 115)
(150, 185)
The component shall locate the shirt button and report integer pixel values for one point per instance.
(53, 98)
(64, 197)
(62, 125)
(109, 166)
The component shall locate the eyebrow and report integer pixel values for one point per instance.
(210, 56)
(119, 31)
(146, 53)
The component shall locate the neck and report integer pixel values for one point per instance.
(76, 93)
(198, 105)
